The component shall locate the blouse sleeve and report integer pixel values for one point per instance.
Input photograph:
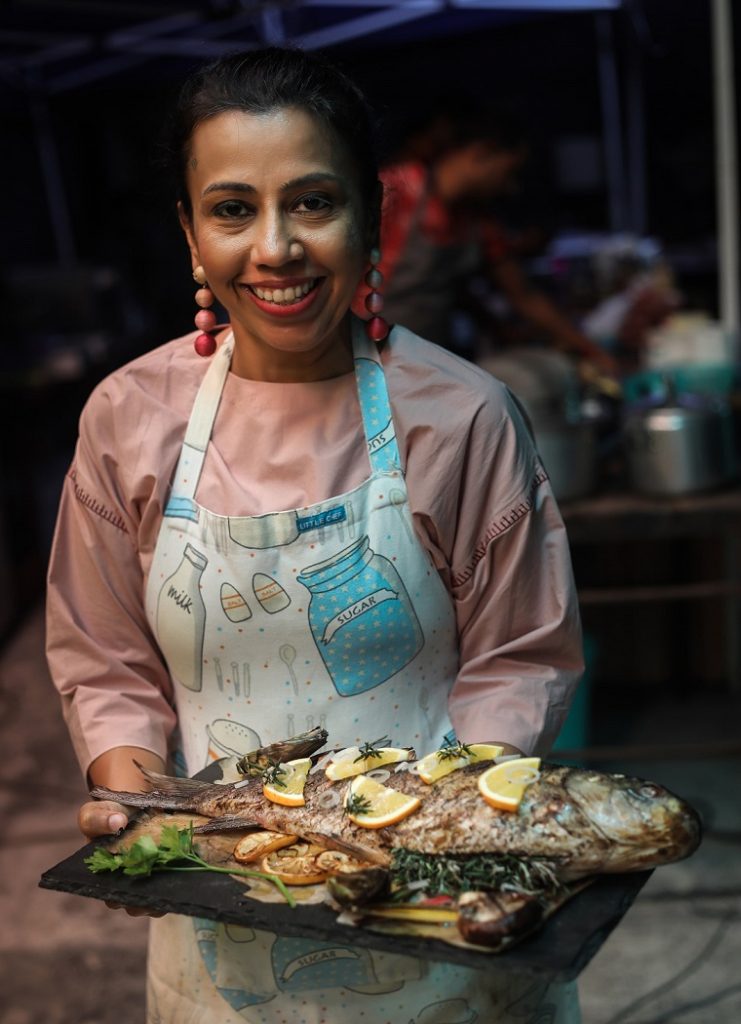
(515, 599)
(113, 683)
(496, 535)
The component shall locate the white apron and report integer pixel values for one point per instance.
(331, 615)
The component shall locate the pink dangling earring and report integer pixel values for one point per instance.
(205, 343)
(376, 328)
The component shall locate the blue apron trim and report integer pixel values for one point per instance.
(181, 508)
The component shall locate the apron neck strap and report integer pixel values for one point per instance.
(375, 407)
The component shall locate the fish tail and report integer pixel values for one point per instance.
(167, 793)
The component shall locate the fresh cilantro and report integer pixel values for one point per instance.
(175, 847)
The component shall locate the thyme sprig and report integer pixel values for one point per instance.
(357, 804)
(272, 775)
(452, 874)
(373, 748)
(174, 850)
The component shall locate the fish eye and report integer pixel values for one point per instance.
(646, 791)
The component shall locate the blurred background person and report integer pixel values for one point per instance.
(441, 239)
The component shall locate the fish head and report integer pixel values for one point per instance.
(646, 825)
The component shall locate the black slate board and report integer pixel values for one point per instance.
(560, 950)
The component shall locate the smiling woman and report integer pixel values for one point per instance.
(323, 523)
(276, 221)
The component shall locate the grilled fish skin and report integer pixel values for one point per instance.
(582, 822)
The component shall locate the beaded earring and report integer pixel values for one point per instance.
(376, 328)
(205, 321)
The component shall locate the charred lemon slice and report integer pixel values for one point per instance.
(442, 762)
(503, 785)
(373, 805)
(285, 783)
(295, 865)
(351, 761)
(258, 844)
(335, 862)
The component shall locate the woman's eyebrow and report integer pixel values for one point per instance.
(314, 178)
(228, 186)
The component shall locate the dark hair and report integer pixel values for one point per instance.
(263, 80)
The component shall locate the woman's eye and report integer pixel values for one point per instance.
(231, 209)
(313, 204)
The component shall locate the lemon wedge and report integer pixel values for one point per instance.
(503, 785)
(373, 805)
(350, 761)
(287, 787)
(440, 763)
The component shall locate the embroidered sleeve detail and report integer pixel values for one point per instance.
(97, 507)
(500, 526)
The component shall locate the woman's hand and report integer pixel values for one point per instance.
(116, 770)
(102, 818)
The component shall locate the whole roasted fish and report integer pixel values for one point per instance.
(580, 822)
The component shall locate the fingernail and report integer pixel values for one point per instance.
(117, 823)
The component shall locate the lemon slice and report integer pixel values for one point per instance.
(288, 787)
(439, 763)
(350, 761)
(335, 862)
(258, 844)
(503, 785)
(373, 805)
(296, 864)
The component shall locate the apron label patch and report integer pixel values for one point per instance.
(382, 438)
(356, 609)
(326, 518)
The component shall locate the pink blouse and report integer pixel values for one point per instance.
(481, 503)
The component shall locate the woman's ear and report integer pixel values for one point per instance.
(187, 225)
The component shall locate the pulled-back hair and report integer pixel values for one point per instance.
(275, 78)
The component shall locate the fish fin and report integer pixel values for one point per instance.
(227, 823)
(167, 793)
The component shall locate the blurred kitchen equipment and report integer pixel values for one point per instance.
(547, 385)
(680, 446)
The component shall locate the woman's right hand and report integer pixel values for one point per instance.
(116, 770)
(102, 818)
(105, 818)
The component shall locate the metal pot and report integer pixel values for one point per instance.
(678, 449)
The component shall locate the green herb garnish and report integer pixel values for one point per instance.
(272, 774)
(145, 856)
(453, 874)
(452, 751)
(356, 804)
(372, 749)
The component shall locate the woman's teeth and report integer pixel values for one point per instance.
(284, 296)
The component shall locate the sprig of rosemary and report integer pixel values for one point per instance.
(453, 874)
(452, 751)
(144, 857)
(372, 749)
(357, 804)
(272, 774)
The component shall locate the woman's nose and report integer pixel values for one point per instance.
(273, 243)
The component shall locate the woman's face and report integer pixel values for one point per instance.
(277, 224)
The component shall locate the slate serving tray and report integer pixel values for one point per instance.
(560, 950)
